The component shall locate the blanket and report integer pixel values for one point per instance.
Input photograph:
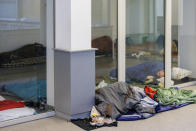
(23, 55)
(119, 98)
(139, 72)
(29, 91)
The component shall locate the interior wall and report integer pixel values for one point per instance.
(29, 9)
(8, 8)
(100, 12)
(104, 18)
(137, 17)
(113, 15)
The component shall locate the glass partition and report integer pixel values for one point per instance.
(23, 57)
(183, 41)
(145, 37)
(104, 38)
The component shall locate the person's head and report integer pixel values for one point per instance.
(174, 46)
(161, 73)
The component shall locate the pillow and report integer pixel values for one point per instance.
(179, 73)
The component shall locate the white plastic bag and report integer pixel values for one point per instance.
(102, 84)
(162, 81)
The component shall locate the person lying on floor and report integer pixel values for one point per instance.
(151, 73)
(142, 73)
(119, 98)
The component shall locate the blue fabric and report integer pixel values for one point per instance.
(167, 108)
(134, 116)
(139, 72)
(28, 91)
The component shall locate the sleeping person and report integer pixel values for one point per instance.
(142, 73)
(151, 73)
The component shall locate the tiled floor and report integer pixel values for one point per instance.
(182, 119)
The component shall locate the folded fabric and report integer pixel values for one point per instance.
(10, 104)
(139, 72)
(119, 98)
(16, 113)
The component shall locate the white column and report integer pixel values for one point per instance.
(74, 60)
(50, 52)
(121, 39)
(73, 24)
(168, 21)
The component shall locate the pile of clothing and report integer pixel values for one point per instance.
(121, 102)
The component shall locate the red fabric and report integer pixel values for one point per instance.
(150, 92)
(10, 104)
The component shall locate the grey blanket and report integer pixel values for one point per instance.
(118, 99)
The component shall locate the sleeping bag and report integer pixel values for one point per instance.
(26, 51)
(28, 91)
(139, 72)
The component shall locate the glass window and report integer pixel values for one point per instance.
(23, 58)
(183, 41)
(104, 38)
(145, 42)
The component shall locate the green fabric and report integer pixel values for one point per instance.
(173, 96)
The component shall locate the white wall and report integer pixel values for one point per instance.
(177, 12)
(99, 13)
(187, 37)
(13, 39)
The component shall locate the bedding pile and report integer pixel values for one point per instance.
(27, 55)
(117, 99)
(122, 102)
(27, 98)
(32, 90)
(10, 109)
